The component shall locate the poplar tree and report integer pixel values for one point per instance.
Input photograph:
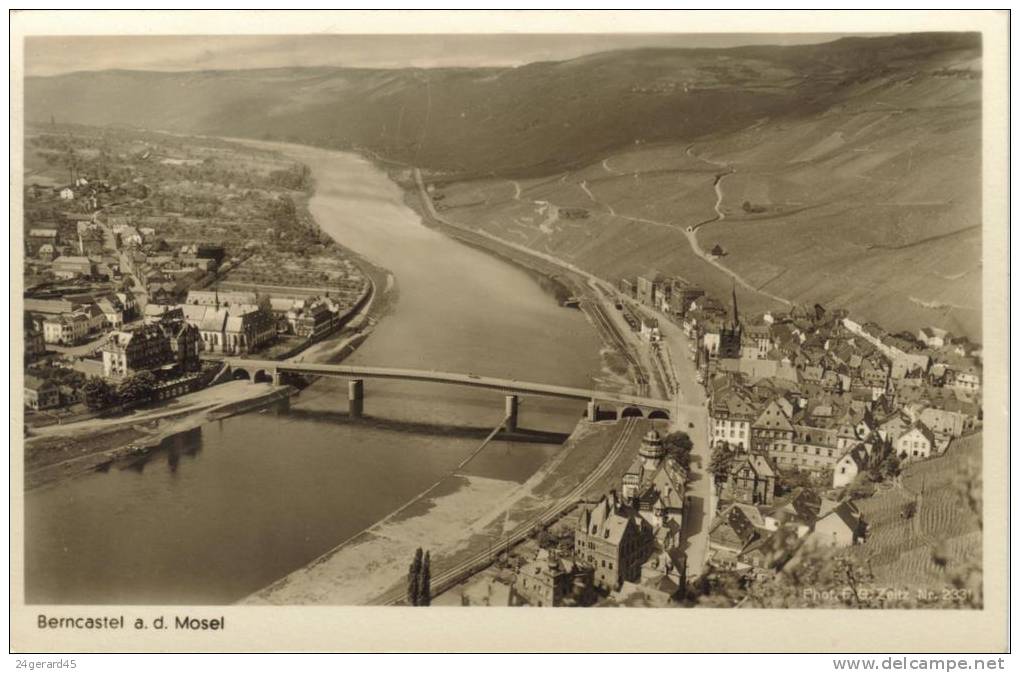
(414, 578)
(425, 591)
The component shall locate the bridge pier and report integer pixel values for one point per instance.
(356, 397)
(511, 413)
(593, 411)
(276, 377)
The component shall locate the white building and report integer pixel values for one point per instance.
(917, 443)
(933, 337)
(968, 381)
(66, 329)
(849, 466)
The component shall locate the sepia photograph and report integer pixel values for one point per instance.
(666, 320)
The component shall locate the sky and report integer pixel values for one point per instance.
(46, 56)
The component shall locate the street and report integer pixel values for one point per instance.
(698, 517)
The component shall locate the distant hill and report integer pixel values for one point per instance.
(532, 119)
(852, 168)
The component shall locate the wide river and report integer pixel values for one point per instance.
(226, 509)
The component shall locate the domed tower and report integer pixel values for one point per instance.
(652, 451)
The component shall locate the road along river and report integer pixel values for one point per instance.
(228, 508)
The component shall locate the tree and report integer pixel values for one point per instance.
(414, 578)
(890, 467)
(792, 478)
(425, 591)
(137, 388)
(720, 462)
(545, 539)
(98, 393)
(678, 445)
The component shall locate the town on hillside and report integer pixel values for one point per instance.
(812, 417)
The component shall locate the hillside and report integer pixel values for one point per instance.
(872, 204)
(528, 119)
(906, 553)
(851, 169)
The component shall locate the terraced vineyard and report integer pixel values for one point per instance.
(900, 550)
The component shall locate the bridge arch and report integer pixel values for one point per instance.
(631, 412)
(240, 374)
(658, 415)
(262, 376)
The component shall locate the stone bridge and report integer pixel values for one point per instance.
(597, 400)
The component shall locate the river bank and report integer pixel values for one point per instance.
(464, 521)
(77, 449)
(464, 515)
(61, 452)
(287, 486)
(621, 361)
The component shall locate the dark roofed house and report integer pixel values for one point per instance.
(613, 540)
(735, 534)
(752, 480)
(838, 524)
(40, 393)
(651, 288)
(71, 267)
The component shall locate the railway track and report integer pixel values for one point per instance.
(604, 324)
(449, 577)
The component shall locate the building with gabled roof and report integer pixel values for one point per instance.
(814, 443)
(550, 581)
(837, 525)
(40, 393)
(731, 416)
(655, 484)
(751, 480)
(612, 539)
(651, 288)
(917, 443)
(128, 352)
(852, 463)
(796, 510)
(737, 536)
(69, 266)
(772, 431)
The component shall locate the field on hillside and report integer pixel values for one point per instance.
(636, 207)
(902, 552)
(873, 205)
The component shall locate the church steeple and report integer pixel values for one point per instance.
(736, 314)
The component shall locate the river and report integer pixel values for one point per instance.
(228, 508)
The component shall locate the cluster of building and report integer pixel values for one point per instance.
(111, 283)
(169, 346)
(239, 322)
(810, 390)
(73, 318)
(754, 528)
(758, 534)
(814, 390)
(629, 536)
(108, 248)
(228, 323)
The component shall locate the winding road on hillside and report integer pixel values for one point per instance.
(691, 232)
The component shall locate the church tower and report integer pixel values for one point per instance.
(730, 336)
(652, 451)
